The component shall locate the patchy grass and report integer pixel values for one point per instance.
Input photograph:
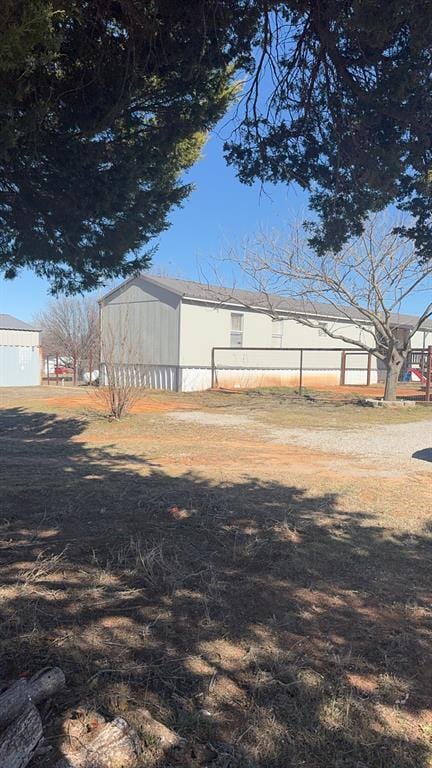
(273, 611)
(315, 409)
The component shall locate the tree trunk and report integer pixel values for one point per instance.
(19, 741)
(394, 365)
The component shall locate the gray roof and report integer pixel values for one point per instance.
(206, 292)
(407, 321)
(9, 323)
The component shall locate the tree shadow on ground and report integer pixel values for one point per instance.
(267, 626)
(424, 455)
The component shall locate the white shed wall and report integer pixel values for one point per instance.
(20, 359)
(11, 338)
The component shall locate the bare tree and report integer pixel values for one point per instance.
(366, 282)
(120, 385)
(70, 328)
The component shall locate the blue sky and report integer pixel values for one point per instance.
(218, 215)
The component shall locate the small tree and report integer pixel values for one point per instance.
(120, 387)
(70, 328)
(365, 282)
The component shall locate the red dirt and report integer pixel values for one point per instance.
(148, 406)
(142, 406)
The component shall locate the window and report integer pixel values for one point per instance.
(277, 333)
(236, 330)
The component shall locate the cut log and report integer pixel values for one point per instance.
(79, 728)
(152, 731)
(41, 686)
(20, 740)
(115, 746)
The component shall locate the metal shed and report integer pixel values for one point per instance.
(20, 361)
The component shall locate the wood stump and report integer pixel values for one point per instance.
(103, 745)
(116, 745)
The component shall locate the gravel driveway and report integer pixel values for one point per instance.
(411, 443)
(402, 441)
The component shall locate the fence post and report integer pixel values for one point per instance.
(301, 373)
(343, 369)
(48, 370)
(56, 370)
(213, 368)
(369, 369)
(429, 375)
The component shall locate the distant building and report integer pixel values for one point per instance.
(20, 358)
(161, 332)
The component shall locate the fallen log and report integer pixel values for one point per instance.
(21, 738)
(41, 686)
(116, 745)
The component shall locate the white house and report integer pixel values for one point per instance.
(166, 333)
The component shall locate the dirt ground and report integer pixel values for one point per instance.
(269, 599)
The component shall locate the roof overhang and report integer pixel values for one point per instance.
(287, 313)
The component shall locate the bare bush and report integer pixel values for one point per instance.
(120, 386)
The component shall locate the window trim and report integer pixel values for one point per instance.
(277, 337)
(235, 332)
(241, 316)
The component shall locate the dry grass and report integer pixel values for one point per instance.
(267, 609)
(321, 409)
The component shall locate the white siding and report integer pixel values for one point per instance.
(196, 379)
(11, 338)
(20, 359)
(421, 339)
(205, 326)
